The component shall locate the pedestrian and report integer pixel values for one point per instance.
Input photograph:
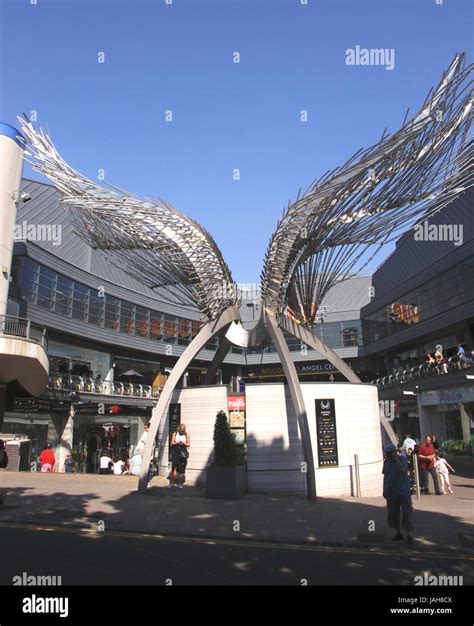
(409, 442)
(70, 465)
(135, 464)
(397, 492)
(119, 466)
(411, 470)
(3, 455)
(143, 439)
(47, 460)
(106, 463)
(426, 456)
(434, 441)
(180, 443)
(441, 361)
(462, 360)
(443, 467)
(3, 465)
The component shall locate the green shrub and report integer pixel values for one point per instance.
(225, 449)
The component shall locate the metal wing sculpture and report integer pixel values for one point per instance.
(339, 224)
(150, 240)
(325, 236)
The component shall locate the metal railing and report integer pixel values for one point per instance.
(425, 370)
(85, 384)
(23, 328)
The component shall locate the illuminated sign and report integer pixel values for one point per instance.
(405, 313)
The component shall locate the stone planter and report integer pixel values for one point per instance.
(226, 482)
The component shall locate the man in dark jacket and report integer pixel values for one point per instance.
(397, 492)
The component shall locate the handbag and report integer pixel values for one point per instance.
(183, 452)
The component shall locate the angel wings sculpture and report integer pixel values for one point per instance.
(328, 234)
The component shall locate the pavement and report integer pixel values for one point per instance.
(443, 524)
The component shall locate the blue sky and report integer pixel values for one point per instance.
(226, 115)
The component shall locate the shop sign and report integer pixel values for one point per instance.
(301, 368)
(405, 313)
(236, 403)
(449, 397)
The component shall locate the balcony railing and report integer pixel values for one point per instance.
(407, 375)
(26, 329)
(85, 384)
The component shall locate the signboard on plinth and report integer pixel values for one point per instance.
(326, 433)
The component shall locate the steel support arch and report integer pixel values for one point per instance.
(289, 369)
(207, 332)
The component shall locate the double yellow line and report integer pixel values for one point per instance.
(272, 545)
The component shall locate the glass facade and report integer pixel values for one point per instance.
(68, 298)
(336, 334)
(62, 295)
(441, 294)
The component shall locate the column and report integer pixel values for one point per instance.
(3, 399)
(11, 156)
(465, 423)
(60, 434)
(424, 415)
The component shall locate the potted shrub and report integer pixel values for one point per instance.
(227, 476)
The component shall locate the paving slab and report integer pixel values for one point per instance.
(84, 500)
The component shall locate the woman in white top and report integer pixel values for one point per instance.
(180, 443)
(106, 463)
(119, 466)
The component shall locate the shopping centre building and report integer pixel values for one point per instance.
(424, 302)
(112, 341)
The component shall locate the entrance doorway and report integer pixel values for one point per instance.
(91, 440)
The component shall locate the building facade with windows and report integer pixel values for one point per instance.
(421, 315)
(112, 341)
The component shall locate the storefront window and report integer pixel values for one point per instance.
(30, 280)
(96, 308)
(350, 334)
(46, 288)
(156, 326)
(64, 288)
(142, 322)
(184, 332)
(127, 318)
(80, 302)
(112, 313)
(170, 329)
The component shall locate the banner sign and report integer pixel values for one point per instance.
(236, 403)
(326, 433)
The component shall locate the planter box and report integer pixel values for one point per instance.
(228, 483)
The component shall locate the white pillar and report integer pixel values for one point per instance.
(65, 442)
(11, 160)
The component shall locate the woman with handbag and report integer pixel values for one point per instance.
(180, 443)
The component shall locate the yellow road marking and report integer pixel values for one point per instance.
(378, 550)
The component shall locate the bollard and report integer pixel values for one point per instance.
(357, 475)
(417, 476)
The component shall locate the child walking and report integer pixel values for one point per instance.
(443, 467)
